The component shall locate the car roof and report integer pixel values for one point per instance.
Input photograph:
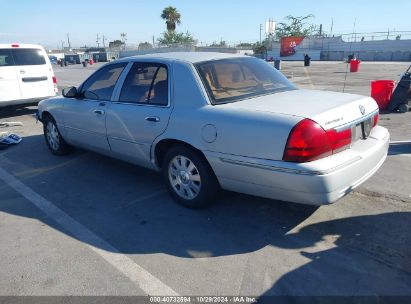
(191, 57)
(20, 45)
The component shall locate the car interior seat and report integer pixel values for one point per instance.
(160, 95)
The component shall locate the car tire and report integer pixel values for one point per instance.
(403, 108)
(55, 142)
(189, 178)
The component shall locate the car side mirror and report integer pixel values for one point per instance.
(70, 92)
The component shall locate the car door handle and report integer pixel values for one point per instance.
(153, 119)
(99, 112)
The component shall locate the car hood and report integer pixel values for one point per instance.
(329, 109)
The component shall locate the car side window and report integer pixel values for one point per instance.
(100, 86)
(146, 83)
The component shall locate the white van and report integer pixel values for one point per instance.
(26, 75)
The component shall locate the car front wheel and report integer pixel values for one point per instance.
(55, 142)
(189, 178)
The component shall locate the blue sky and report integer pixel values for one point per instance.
(47, 22)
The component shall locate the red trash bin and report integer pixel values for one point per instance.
(354, 65)
(381, 91)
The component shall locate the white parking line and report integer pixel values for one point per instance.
(141, 277)
(309, 78)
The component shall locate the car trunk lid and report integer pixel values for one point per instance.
(329, 109)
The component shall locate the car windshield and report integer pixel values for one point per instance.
(234, 79)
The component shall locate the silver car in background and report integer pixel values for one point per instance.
(211, 120)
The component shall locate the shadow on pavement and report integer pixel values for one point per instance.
(400, 148)
(129, 208)
(15, 111)
(372, 256)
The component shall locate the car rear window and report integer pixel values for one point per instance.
(28, 57)
(6, 59)
(234, 79)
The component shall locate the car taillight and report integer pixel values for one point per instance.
(376, 118)
(54, 79)
(15, 45)
(339, 140)
(308, 141)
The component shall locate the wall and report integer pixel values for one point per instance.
(367, 55)
(128, 53)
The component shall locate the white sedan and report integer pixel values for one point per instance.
(211, 120)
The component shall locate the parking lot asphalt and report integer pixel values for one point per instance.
(86, 224)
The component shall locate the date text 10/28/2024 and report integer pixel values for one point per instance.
(203, 299)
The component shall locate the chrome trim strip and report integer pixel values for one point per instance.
(288, 170)
(126, 140)
(140, 104)
(85, 131)
(355, 122)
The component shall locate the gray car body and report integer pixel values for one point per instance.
(243, 141)
(187, 117)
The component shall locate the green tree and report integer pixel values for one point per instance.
(145, 46)
(246, 45)
(172, 18)
(170, 37)
(296, 26)
(259, 49)
(116, 44)
(222, 43)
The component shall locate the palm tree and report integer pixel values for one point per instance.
(172, 17)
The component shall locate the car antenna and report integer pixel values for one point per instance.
(349, 53)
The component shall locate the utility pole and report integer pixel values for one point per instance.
(332, 26)
(98, 41)
(68, 41)
(124, 39)
(355, 30)
(261, 29)
(104, 41)
(153, 41)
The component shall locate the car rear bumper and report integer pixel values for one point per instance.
(319, 182)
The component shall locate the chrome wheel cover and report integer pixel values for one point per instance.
(184, 177)
(53, 137)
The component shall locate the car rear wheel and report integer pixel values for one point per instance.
(54, 140)
(189, 178)
(403, 108)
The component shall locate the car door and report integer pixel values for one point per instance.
(85, 116)
(9, 84)
(140, 113)
(34, 72)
